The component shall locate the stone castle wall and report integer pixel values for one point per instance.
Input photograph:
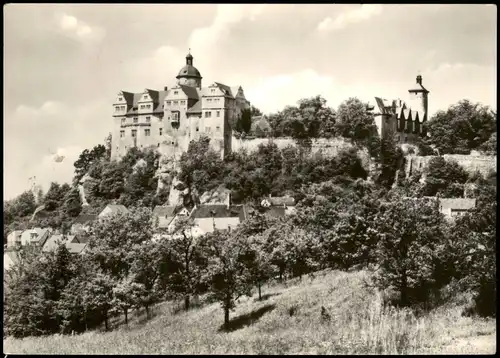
(471, 163)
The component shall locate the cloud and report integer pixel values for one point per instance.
(79, 29)
(34, 135)
(362, 13)
(204, 41)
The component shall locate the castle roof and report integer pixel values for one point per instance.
(195, 108)
(189, 71)
(190, 92)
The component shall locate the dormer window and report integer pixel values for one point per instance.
(176, 92)
(176, 103)
(169, 103)
(146, 96)
(120, 99)
(123, 121)
(148, 119)
(212, 90)
(183, 102)
(136, 120)
(117, 108)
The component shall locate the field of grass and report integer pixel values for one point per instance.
(289, 320)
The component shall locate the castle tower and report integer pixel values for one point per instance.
(189, 75)
(419, 98)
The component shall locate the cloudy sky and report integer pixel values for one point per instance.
(64, 64)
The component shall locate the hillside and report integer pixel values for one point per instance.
(288, 321)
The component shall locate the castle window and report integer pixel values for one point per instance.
(147, 132)
(161, 131)
(175, 116)
(176, 92)
(212, 90)
(136, 120)
(148, 106)
(209, 99)
(123, 107)
(218, 113)
(208, 114)
(197, 129)
(148, 119)
(120, 99)
(217, 129)
(123, 120)
(122, 134)
(142, 106)
(117, 108)
(146, 96)
(183, 102)
(406, 139)
(176, 103)
(134, 133)
(169, 103)
(158, 144)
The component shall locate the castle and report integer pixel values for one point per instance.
(170, 118)
(404, 121)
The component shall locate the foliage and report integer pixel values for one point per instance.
(490, 146)
(410, 232)
(355, 122)
(86, 158)
(461, 128)
(444, 178)
(183, 261)
(200, 166)
(228, 274)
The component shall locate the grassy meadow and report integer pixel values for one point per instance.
(333, 313)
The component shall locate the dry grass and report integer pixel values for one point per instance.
(288, 321)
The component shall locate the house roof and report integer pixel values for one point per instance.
(85, 218)
(75, 248)
(195, 108)
(190, 92)
(13, 256)
(216, 211)
(260, 122)
(282, 200)
(52, 242)
(164, 210)
(117, 209)
(457, 203)
(225, 89)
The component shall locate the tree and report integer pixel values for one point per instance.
(354, 121)
(185, 261)
(244, 122)
(409, 234)
(200, 166)
(227, 274)
(261, 268)
(72, 203)
(255, 111)
(444, 177)
(391, 160)
(490, 146)
(85, 160)
(112, 183)
(112, 239)
(54, 198)
(463, 127)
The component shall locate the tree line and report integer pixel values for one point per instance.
(343, 223)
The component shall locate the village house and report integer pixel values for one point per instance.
(14, 238)
(113, 209)
(82, 223)
(454, 207)
(36, 236)
(70, 241)
(10, 259)
(276, 202)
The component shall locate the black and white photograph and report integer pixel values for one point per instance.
(248, 179)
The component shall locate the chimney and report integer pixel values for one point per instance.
(419, 79)
(165, 88)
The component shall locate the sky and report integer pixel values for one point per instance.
(65, 64)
